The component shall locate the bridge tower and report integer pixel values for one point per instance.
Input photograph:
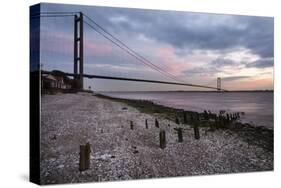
(219, 84)
(78, 51)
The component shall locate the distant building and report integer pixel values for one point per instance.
(56, 82)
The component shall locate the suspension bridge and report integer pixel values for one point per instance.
(81, 19)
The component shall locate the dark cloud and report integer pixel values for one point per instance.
(262, 63)
(234, 78)
(221, 62)
(205, 71)
(213, 68)
(184, 30)
(197, 30)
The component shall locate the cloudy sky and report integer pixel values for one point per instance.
(195, 47)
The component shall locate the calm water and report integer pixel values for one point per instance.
(258, 106)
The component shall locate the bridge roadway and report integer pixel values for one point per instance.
(134, 80)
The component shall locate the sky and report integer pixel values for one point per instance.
(195, 47)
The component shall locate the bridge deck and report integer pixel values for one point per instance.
(134, 80)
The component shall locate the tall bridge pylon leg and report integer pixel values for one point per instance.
(219, 84)
(78, 51)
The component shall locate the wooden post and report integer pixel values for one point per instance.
(227, 117)
(162, 138)
(206, 115)
(212, 124)
(196, 132)
(87, 155)
(238, 115)
(131, 125)
(184, 117)
(191, 118)
(156, 123)
(146, 124)
(177, 120)
(82, 165)
(197, 117)
(223, 121)
(84, 162)
(220, 122)
(180, 134)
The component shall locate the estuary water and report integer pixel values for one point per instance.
(257, 106)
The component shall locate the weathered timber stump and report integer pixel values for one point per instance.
(156, 123)
(212, 125)
(196, 132)
(206, 115)
(177, 120)
(184, 118)
(227, 118)
(162, 138)
(87, 159)
(146, 124)
(231, 117)
(179, 130)
(220, 121)
(191, 118)
(84, 162)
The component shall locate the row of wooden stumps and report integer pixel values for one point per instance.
(220, 121)
(162, 134)
(215, 121)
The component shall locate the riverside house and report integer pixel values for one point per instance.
(54, 82)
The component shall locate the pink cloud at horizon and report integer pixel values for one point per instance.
(170, 62)
(98, 48)
(256, 84)
(61, 42)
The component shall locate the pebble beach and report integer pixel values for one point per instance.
(119, 152)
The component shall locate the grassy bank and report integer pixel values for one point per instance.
(253, 135)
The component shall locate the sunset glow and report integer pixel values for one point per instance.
(195, 47)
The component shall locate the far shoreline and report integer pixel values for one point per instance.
(229, 91)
